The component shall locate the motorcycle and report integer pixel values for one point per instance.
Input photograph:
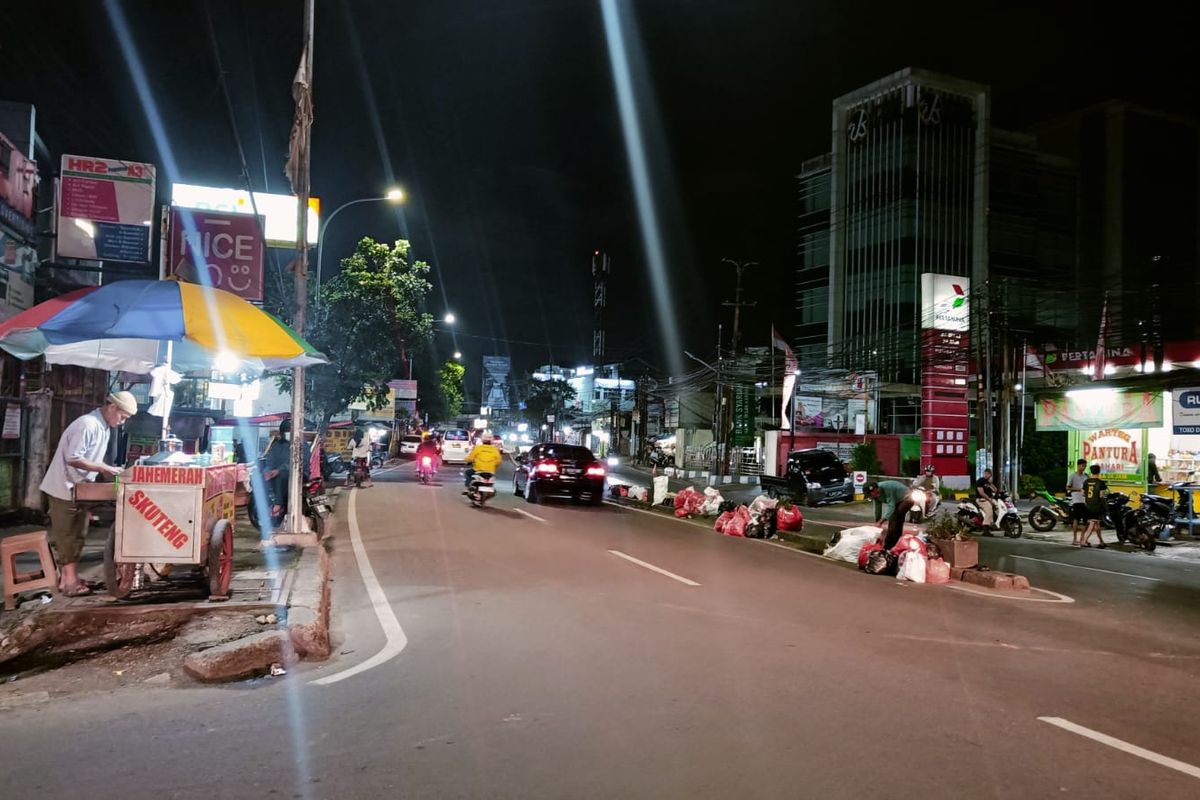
(1043, 518)
(358, 473)
(426, 469)
(925, 502)
(659, 458)
(1007, 519)
(481, 488)
(1132, 526)
(334, 465)
(315, 506)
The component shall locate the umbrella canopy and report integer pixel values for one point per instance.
(125, 326)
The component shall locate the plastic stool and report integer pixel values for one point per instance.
(16, 582)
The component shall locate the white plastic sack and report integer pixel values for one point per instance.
(660, 489)
(851, 541)
(762, 503)
(638, 493)
(912, 565)
(712, 502)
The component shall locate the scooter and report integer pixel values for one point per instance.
(334, 465)
(1044, 517)
(426, 469)
(481, 488)
(358, 473)
(1132, 526)
(315, 505)
(925, 503)
(1007, 519)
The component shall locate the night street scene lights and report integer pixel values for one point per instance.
(395, 196)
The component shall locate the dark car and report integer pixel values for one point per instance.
(811, 476)
(563, 470)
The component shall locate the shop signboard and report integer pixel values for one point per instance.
(105, 209)
(495, 381)
(228, 246)
(1095, 409)
(808, 411)
(18, 264)
(18, 177)
(945, 323)
(743, 414)
(405, 390)
(278, 210)
(945, 302)
(12, 421)
(1185, 411)
(1120, 452)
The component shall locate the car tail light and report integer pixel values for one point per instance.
(595, 471)
(546, 468)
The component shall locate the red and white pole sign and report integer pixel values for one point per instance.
(228, 246)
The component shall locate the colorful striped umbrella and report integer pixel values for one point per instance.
(126, 325)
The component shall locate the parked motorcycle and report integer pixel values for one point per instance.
(1044, 517)
(426, 469)
(334, 465)
(1007, 520)
(481, 488)
(1132, 526)
(659, 458)
(315, 504)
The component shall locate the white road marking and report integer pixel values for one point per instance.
(526, 513)
(795, 550)
(653, 568)
(396, 640)
(1126, 747)
(1054, 598)
(1090, 569)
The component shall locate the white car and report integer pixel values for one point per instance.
(456, 443)
(409, 444)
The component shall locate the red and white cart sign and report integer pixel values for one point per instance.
(166, 513)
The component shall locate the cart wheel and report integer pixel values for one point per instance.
(220, 558)
(117, 577)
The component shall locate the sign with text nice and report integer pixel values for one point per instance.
(227, 247)
(105, 209)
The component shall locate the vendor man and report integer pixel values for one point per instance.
(79, 459)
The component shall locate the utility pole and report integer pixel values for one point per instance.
(300, 172)
(728, 421)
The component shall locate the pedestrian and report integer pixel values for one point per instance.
(1152, 474)
(1094, 490)
(79, 458)
(1079, 515)
(893, 501)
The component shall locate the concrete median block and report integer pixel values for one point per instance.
(1005, 581)
(242, 658)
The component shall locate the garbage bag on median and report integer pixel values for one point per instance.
(638, 493)
(865, 553)
(762, 503)
(712, 502)
(850, 541)
(722, 521)
(789, 518)
(937, 571)
(911, 564)
(881, 562)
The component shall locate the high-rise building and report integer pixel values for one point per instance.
(812, 271)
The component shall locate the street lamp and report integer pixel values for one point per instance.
(449, 318)
(394, 195)
(457, 355)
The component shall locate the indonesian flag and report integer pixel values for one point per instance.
(790, 366)
(1100, 359)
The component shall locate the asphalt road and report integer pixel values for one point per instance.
(538, 660)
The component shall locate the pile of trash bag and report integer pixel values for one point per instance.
(913, 558)
(688, 502)
(850, 541)
(713, 501)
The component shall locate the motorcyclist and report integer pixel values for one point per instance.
(360, 456)
(985, 495)
(428, 447)
(484, 457)
(931, 485)
(277, 466)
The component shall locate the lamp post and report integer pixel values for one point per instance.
(396, 196)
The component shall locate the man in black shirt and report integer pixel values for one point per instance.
(985, 494)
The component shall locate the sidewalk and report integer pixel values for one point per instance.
(288, 582)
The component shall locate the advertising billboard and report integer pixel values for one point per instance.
(105, 209)
(945, 302)
(18, 177)
(227, 246)
(278, 209)
(1094, 409)
(1185, 411)
(495, 382)
(18, 262)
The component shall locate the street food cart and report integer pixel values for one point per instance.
(171, 514)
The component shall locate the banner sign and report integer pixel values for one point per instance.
(945, 302)
(228, 246)
(1095, 409)
(405, 390)
(945, 326)
(18, 176)
(744, 411)
(105, 209)
(12, 421)
(18, 263)
(1120, 452)
(279, 210)
(495, 382)
(1185, 412)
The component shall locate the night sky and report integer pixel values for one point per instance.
(499, 118)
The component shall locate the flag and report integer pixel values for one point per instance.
(301, 125)
(1100, 359)
(790, 367)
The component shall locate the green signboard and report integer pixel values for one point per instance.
(1095, 409)
(1120, 452)
(744, 411)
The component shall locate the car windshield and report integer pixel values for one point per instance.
(456, 436)
(566, 452)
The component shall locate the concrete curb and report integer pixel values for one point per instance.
(308, 605)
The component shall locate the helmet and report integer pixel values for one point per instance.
(929, 469)
(286, 426)
(487, 438)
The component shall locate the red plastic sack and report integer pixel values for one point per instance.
(865, 553)
(736, 526)
(687, 500)
(789, 519)
(903, 545)
(937, 571)
(722, 521)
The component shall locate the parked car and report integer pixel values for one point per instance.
(561, 470)
(456, 443)
(811, 476)
(409, 444)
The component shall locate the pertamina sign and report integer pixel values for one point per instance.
(945, 302)
(227, 247)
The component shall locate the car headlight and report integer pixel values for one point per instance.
(847, 481)
(814, 486)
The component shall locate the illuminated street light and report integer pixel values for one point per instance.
(457, 355)
(449, 318)
(395, 195)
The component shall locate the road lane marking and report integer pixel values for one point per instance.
(1055, 596)
(1090, 569)
(526, 513)
(653, 568)
(396, 640)
(795, 550)
(1126, 747)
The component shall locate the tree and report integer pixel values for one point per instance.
(444, 403)
(370, 323)
(547, 397)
